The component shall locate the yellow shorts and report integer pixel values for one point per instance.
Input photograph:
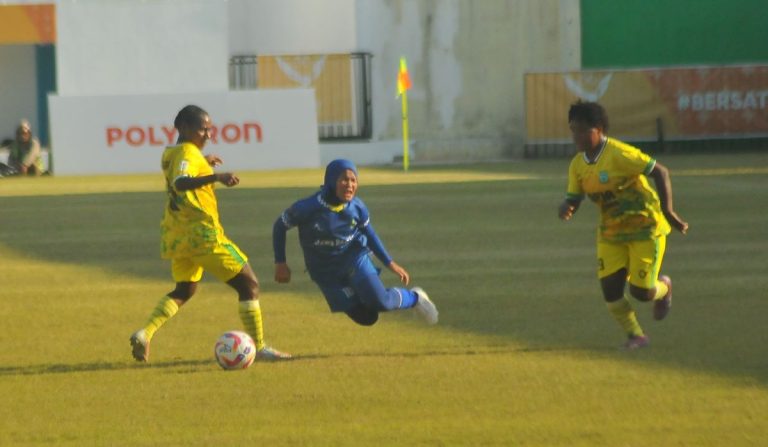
(642, 259)
(224, 262)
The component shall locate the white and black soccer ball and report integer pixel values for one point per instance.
(235, 350)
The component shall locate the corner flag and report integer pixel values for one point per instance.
(403, 80)
(403, 85)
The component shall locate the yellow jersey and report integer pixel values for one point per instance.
(190, 226)
(616, 181)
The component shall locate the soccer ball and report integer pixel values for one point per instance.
(235, 350)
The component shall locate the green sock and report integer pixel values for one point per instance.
(163, 312)
(250, 315)
(623, 313)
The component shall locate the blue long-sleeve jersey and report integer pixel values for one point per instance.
(332, 237)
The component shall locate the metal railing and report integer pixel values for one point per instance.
(342, 84)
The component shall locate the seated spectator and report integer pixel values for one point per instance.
(24, 151)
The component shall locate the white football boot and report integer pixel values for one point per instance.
(425, 306)
(140, 346)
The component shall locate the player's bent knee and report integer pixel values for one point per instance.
(253, 288)
(247, 286)
(363, 316)
(183, 291)
(368, 320)
(641, 293)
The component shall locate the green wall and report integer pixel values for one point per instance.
(45, 60)
(642, 33)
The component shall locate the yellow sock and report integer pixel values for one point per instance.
(624, 314)
(163, 312)
(661, 290)
(250, 315)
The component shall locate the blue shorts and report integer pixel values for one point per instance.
(338, 289)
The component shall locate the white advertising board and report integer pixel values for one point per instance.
(253, 130)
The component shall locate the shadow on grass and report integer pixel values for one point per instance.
(493, 255)
(188, 366)
(463, 352)
(65, 368)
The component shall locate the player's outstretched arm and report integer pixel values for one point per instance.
(660, 175)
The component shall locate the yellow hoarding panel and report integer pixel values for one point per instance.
(330, 75)
(700, 102)
(27, 24)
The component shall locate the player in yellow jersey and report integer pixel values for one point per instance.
(634, 219)
(193, 239)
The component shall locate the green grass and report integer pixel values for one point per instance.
(525, 352)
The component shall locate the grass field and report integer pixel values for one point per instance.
(525, 353)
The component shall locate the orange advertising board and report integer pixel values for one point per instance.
(27, 24)
(692, 103)
(330, 75)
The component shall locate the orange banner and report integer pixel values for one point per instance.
(330, 75)
(691, 103)
(27, 24)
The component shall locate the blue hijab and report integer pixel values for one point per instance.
(332, 173)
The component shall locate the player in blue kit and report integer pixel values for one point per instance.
(337, 238)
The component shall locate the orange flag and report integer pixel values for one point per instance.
(403, 80)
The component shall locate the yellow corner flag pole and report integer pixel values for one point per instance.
(403, 84)
(405, 131)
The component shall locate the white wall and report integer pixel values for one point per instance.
(291, 26)
(18, 88)
(109, 47)
(133, 64)
(391, 30)
(466, 57)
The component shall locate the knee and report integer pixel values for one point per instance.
(249, 289)
(611, 295)
(366, 320)
(363, 316)
(253, 287)
(183, 291)
(640, 293)
(247, 286)
(613, 285)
